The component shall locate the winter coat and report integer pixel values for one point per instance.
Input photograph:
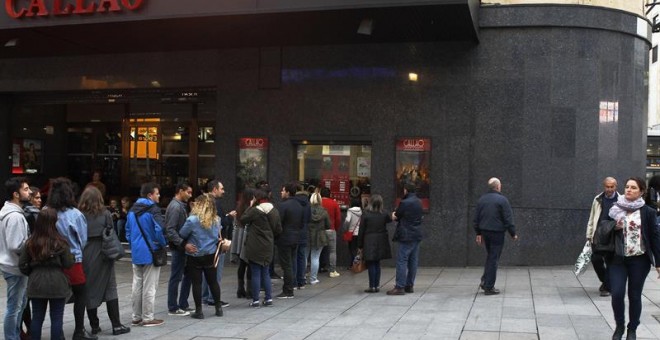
(409, 215)
(291, 215)
(13, 234)
(318, 224)
(101, 283)
(264, 226)
(46, 280)
(373, 237)
(303, 198)
(152, 224)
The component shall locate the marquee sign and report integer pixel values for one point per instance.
(18, 9)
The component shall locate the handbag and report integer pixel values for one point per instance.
(159, 256)
(111, 248)
(359, 265)
(603, 240)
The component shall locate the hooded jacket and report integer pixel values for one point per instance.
(13, 234)
(352, 221)
(264, 225)
(303, 198)
(151, 221)
(319, 223)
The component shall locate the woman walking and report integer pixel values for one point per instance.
(265, 225)
(318, 224)
(71, 224)
(45, 254)
(638, 248)
(101, 283)
(374, 241)
(202, 228)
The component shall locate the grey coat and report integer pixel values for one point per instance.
(101, 283)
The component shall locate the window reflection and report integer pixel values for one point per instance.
(609, 112)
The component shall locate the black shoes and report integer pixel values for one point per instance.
(632, 334)
(83, 335)
(96, 330)
(121, 329)
(618, 333)
(491, 291)
(218, 311)
(408, 289)
(372, 290)
(603, 290)
(396, 291)
(197, 315)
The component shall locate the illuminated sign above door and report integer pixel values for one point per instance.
(18, 9)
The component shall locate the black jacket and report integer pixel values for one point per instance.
(292, 217)
(303, 199)
(494, 214)
(409, 215)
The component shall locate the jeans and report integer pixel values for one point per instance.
(374, 273)
(494, 241)
(406, 264)
(287, 255)
(332, 250)
(300, 265)
(206, 292)
(260, 278)
(39, 314)
(145, 281)
(16, 301)
(634, 270)
(601, 265)
(177, 275)
(314, 259)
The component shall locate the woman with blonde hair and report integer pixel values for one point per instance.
(202, 228)
(319, 222)
(101, 282)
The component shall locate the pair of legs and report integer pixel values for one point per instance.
(16, 301)
(494, 242)
(329, 253)
(145, 281)
(260, 279)
(113, 314)
(352, 247)
(287, 255)
(632, 270)
(39, 313)
(406, 264)
(195, 267)
(600, 262)
(243, 271)
(207, 295)
(374, 274)
(315, 255)
(176, 300)
(300, 265)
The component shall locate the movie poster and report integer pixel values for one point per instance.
(413, 165)
(252, 165)
(27, 156)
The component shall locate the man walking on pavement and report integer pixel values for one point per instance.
(13, 234)
(600, 209)
(175, 217)
(145, 218)
(492, 218)
(216, 189)
(409, 234)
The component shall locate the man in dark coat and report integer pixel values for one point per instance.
(492, 218)
(292, 216)
(409, 234)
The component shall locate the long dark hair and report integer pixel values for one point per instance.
(246, 198)
(61, 195)
(45, 239)
(91, 201)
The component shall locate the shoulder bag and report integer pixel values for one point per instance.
(603, 240)
(359, 265)
(111, 248)
(159, 255)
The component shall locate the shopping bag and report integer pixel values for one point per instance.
(583, 259)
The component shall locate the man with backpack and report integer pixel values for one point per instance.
(600, 209)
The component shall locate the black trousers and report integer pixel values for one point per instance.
(601, 263)
(287, 255)
(195, 267)
(494, 242)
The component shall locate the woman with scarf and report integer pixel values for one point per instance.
(637, 249)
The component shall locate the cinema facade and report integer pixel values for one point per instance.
(359, 96)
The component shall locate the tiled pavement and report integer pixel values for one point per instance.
(536, 303)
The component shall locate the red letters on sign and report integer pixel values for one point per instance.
(64, 7)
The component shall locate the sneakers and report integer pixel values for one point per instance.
(334, 274)
(178, 312)
(136, 322)
(224, 304)
(314, 282)
(268, 303)
(491, 291)
(254, 304)
(152, 323)
(300, 287)
(284, 295)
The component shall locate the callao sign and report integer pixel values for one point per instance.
(414, 144)
(43, 8)
(253, 143)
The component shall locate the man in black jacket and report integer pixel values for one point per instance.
(492, 218)
(291, 215)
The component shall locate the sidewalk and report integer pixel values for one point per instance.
(536, 303)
